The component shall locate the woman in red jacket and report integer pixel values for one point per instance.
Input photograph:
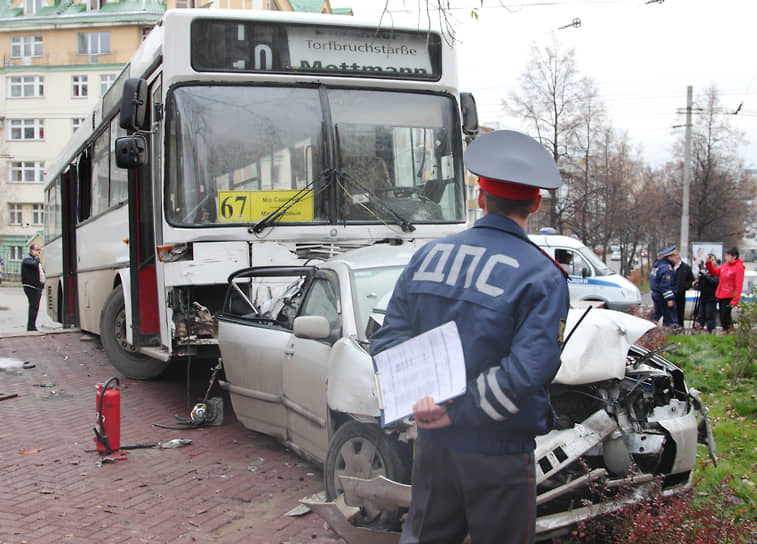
(729, 289)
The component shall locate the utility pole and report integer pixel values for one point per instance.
(683, 248)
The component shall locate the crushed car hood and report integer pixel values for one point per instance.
(597, 342)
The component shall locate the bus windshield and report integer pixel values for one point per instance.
(235, 154)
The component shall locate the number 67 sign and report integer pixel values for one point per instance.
(251, 206)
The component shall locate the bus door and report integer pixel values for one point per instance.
(69, 211)
(145, 323)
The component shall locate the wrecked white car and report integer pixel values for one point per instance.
(294, 343)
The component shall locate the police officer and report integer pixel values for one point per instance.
(662, 283)
(473, 470)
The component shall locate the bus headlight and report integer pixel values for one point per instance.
(173, 252)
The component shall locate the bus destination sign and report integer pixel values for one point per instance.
(315, 50)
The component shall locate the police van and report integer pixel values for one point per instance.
(590, 278)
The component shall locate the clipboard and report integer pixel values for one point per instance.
(430, 364)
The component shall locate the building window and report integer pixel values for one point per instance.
(38, 214)
(79, 86)
(26, 46)
(26, 129)
(32, 6)
(27, 171)
(14, 214)
(93, 43)
(26, 86)
(16, 253)
(106, 80)
(76, 122)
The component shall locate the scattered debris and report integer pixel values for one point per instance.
(8, 363)
(302, 508)
(44, 385)
(28, 364)
(6, 396)
(175, 443)
(112, 459)
(24, 452)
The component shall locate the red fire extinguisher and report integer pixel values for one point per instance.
(108, 403)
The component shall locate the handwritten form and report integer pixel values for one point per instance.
(430, 364)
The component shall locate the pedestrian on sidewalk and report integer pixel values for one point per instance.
(33, 280)
(729, 289)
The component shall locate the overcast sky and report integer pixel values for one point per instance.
(642, 54)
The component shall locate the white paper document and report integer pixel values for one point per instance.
(430, 364)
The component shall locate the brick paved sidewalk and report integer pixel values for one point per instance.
(230, 485)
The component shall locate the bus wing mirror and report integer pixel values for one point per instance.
(131, 151)
(133, 104)
(470, 113)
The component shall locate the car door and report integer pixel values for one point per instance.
(255, 337)
(580, 285)
(305, 368)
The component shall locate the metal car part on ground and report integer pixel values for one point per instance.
(294, 343)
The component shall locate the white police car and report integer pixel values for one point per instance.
(590, 278)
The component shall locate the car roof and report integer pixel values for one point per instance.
(549, 240)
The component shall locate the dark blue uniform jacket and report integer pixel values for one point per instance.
(509, 301)
(662, 279)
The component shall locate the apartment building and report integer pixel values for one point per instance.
(59, 57)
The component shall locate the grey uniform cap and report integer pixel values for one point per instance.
(507, 155)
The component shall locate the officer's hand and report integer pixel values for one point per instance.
(429, 415)
(671, 302)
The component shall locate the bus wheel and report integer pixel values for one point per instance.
(123, 355)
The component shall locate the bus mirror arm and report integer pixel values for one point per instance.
(131, 151)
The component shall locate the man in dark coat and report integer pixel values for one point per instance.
(684, 279)
(31, 278)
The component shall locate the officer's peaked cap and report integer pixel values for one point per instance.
(667, 252)
(506, 155)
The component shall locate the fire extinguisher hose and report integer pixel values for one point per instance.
(101, 436)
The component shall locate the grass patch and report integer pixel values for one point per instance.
(732, 402)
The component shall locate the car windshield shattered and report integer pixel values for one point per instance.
(311, 155)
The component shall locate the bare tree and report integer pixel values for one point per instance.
(549, 91)
(719, 188)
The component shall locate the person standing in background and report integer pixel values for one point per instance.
(707, 285)
(662, 283)
(33, 280)
(684, 279)
(731, 276)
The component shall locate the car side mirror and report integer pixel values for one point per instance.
(315, 327)
(131, 151)
(585, 272)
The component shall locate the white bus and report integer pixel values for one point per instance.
(241, 138)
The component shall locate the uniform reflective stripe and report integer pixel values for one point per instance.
(668, 294)
(481, 281)
(485, 405)
(437, 274)
(465, 251)
(491, 380)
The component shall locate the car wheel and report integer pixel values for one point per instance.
(365, 451)
(121, 354)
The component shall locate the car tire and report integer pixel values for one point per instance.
(365, 451)
(121, 354)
